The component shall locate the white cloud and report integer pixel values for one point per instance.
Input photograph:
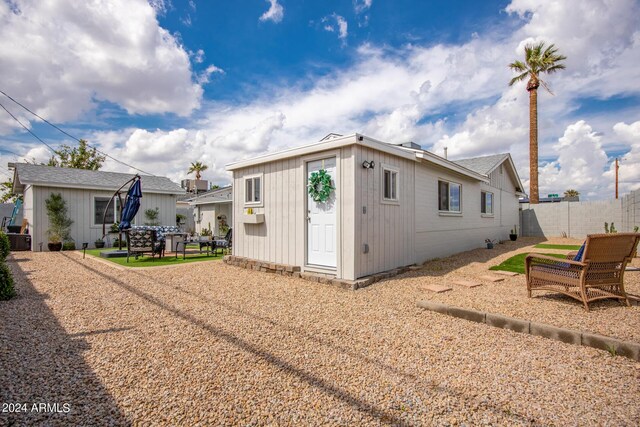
(204, 77)
(580, 165)
(360, 6)
(62, 58)
(275, 12)
(336, 23)
(629, 172)
(161, 6)
(409, 93)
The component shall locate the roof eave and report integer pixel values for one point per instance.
(94, 187)
(435, 159)
(316, 147)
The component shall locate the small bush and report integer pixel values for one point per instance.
(69, 246)
(6, 283)
(4, 246)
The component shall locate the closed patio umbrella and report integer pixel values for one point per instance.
(131, 205)
(129, 210)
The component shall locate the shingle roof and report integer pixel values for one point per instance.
(482, 165)
(220, 195)
(80, 178)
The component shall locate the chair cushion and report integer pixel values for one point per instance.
(580, 253)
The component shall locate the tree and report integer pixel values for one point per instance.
(197, 167)
(538, 60)
(59, 223)
(81, 157)
(571, 193)
(214, 187)
(6, 188)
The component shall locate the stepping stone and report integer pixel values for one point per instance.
(491, 278)
(505, 273)
(415, 267)
(467, 283)
(436, 288)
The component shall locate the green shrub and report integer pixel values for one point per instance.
(4, 246)
(6, 283)
(69, 246)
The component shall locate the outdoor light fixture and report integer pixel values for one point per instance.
(368, 165)
(84, 249)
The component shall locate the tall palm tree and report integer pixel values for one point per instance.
(571, 193)
(197, 167)
(538, 60)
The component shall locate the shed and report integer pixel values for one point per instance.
(393, 206)
(87, 193)
(213, 210)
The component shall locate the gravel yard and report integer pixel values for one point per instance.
(211, 344)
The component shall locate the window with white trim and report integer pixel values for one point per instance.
(449, 197)
(486, 202)
(253, 190)
(112, 214)
(389, 184)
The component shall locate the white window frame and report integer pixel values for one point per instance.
(394, 191)
(115, 210)
(484, 206)
(253, 178)
(449, 211)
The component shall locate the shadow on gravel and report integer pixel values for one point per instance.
(383, 416)
(309, 378)
(41, 364)
(443, 266)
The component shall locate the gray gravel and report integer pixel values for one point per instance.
(211, 344)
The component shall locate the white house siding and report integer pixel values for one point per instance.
(281, 238)
(209, 216)
(80, 209)
(439, 234)
(388, 229)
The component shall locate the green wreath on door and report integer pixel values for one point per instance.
(320, 186)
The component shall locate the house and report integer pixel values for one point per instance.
(393, 206)
(87, 194)
(213, 210)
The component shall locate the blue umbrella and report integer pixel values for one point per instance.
(131, 205)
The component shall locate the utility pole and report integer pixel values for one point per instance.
(617, 167)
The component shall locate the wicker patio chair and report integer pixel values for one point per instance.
(141, 241)
(598, 275)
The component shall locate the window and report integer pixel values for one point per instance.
(389, 184)
(253, 190)
(99, 205)
(449, 194)
(486, 203)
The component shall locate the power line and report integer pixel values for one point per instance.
(66, 133)
(27, 129)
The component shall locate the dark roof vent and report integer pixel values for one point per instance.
(410, 144)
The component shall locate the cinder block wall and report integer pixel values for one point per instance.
(577, 219)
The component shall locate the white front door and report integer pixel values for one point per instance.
(321, 218)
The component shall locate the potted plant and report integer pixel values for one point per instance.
(489, 243)
(513, 235)
(59, 223)
(99, 243)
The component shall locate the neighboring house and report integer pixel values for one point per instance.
(393, 205)
(213, 209)
(87, 194)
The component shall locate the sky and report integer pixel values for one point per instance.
(159, 84)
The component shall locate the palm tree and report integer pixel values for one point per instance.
(571, 193)
(197, 167)
(538, 60)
